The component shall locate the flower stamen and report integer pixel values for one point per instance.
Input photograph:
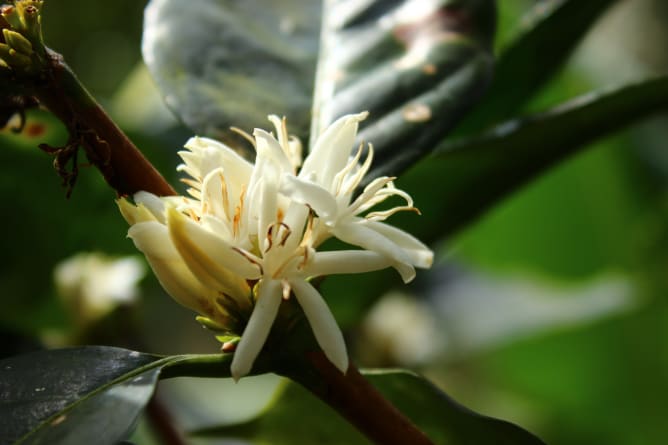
(244, 135)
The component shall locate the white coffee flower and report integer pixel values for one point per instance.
(92, 284)
(246, 238)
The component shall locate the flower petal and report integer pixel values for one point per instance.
(216, 196)
(269, 148)
(211, 154)
(358, 234)
(153, 203)
(332, 149)
(209, 257)
(152, 239)
(421, 256)
(313, 195)
(134, 214)
(322, 322)
(345, 262)
(258, 327)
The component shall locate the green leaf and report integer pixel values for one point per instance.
(416, 70)
(66, 396)
(470, 176)
(222, 63)
(530, 61)
(91, 394)
(440, 417)
(473, 174)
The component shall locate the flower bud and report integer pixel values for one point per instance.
(11, 15)
(13, 58)
(16, 41)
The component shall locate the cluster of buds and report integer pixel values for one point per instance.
(22, 45)
(247, 236)
(22, 54)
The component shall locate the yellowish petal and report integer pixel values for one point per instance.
(209, 257)
(152, 239)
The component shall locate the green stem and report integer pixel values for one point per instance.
(121, 163)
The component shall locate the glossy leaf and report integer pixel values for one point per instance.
(222, 63)
(532, 59)
(66, 396)
(474, 174)
(417, 68)
(462, 180)
(91, 394)
(441, 418)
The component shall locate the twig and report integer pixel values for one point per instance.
(121, 163)
(162, 422)
(359, 402)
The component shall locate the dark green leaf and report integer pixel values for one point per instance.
(66, 396)
(464, 179)
(444, 420)
(417, 70)
(223, 63)
(552, 34)
(472, 175)
(91, 394)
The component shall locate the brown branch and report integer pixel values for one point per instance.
(123, 166)
(359, 402)
(162, 422)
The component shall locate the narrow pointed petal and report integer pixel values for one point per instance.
(332, 149)
(346, 262)
(134, 214)
(215, 195)
(295, 219)
(322, 322)
(310, 194)
(269, 147)
(258, 328)
(209, 257)
(153, 203)
(421, 256)
(262, 199)
(357, 234)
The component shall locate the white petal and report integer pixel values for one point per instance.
(295, 218)
(214, 154)
(420, 255)
(215, 225)
(152, 239)
(154, 204)
(345, 261)
(215, 195)
(258, 327)
(357, 234)
(306, 192)
(322, 322)
(332, 149)
(268, 147)
(268, 205)
(209, 257)
(262, 197)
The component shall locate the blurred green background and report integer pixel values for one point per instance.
(551, 311)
